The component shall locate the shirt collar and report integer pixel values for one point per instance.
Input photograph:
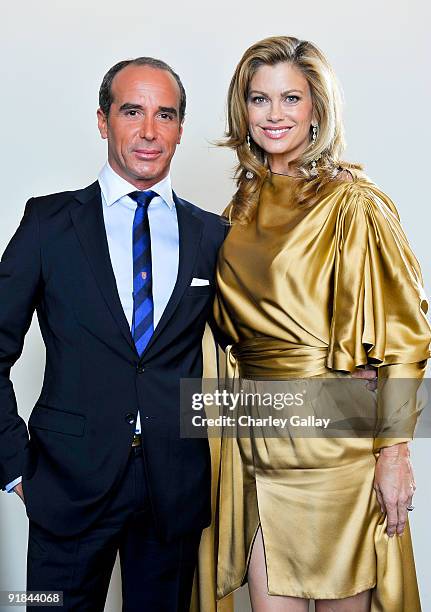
(114, 187)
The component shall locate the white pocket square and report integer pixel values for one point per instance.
(199, 282)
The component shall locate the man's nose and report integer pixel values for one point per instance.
(147, 131)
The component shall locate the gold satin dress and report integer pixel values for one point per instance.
(313, 292)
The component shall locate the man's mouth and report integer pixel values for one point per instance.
(276, 133)
(147, 153)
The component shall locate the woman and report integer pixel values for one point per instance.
(315, 279)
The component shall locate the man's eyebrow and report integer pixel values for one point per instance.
(130, 106)
(161, 109)
(168, 109)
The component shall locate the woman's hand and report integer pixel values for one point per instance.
(394, 485)
(18, 490)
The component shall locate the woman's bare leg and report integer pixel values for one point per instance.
(258, 589)
(358, 603)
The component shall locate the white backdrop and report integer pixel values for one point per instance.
(53, 55)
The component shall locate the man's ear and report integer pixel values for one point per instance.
(180, 133)
(102, 122)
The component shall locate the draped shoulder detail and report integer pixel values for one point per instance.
(379, 304)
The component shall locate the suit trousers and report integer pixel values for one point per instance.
(156, 576)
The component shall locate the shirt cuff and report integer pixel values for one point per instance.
(9, 487)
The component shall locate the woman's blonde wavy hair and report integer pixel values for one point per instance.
(326, 98)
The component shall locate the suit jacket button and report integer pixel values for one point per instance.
(140, 369)
(130, 418)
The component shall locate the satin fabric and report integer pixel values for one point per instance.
(314, 292)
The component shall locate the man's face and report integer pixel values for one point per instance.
(143, 126)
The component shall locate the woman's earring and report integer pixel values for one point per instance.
(249, 174)
(316, 159)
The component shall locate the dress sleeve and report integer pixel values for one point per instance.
(379, 308)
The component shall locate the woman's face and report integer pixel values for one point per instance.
(280, 113)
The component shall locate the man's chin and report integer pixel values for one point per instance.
(148, 175)
(141, 174)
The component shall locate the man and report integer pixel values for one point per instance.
(121, 277)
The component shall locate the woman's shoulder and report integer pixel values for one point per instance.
(350, 175)
(359, 191)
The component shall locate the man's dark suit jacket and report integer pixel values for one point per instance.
(82, 425)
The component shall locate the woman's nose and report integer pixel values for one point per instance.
(275, 112)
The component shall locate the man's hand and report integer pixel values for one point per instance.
(367, 373)
(18, 490)
(394, 485)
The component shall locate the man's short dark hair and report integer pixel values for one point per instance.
(105, 91)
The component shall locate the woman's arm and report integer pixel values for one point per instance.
(379, 319)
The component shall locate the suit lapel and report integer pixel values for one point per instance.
(90, 227)
(190, 231)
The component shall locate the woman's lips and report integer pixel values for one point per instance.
(276, 133)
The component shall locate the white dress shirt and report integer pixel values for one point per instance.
(118, 213)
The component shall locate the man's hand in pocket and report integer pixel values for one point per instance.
(367, 373)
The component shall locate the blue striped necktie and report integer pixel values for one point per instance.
(143, 307)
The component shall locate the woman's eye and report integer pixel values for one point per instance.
(292, 98)
(258, 99)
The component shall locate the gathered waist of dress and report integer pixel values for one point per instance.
(272, 359)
